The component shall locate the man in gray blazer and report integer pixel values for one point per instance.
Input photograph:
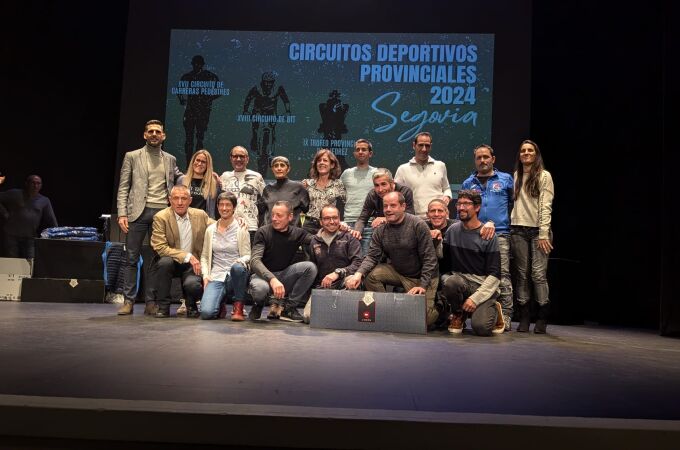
(146, 178)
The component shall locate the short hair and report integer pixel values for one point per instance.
(474, 196)
(422, 133)
(487, 146)
(283, 159)
(326, 207)
(180, 187)
(382, 172)
(153, 122)
(400, 196)
(437, 200)
(285, 203)
(335, 171)
(227, 196)
(364, 141)
(231, 152)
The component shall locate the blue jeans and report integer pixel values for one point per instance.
(366, 234)
(529, 261)
(233, 285)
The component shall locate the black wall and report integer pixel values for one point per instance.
(599, 79)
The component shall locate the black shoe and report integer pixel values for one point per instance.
(162, 313)
(524, 318)
(192, 313)
(291, 314)
(255, 312)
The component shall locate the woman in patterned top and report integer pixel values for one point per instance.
(324, 187)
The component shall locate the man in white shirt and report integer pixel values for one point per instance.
(424, 175)
(177, 240)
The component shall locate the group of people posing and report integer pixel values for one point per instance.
(233, 239)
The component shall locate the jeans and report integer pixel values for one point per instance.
(457, 289)
(233, 285)
(506, 282)
(296, 278)
(529, 261)
(366, 234)
(137, 231)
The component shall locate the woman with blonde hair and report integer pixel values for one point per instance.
(203, 186)
(530, 233)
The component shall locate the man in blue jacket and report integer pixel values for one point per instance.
(496, 189)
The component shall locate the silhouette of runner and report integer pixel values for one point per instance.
(265, 102)
(197, 107)
(332, 126)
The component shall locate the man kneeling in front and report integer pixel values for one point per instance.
(472, 285)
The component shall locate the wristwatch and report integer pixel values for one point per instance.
(340, 272)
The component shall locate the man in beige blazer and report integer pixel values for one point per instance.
(177, 240)
(146, 177)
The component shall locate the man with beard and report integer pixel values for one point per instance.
(496, 189)
(146, 178)
(471, 287)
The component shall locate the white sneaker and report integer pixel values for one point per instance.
(182, 310)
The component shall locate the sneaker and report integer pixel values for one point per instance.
(499, 328)
(255, 312)
(457, 323)
(291, 315)
(182, 310)
(192, 313)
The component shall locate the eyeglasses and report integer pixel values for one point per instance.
(464, 204)
(200, 161)
(238, 156)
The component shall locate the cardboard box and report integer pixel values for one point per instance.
(12, 272)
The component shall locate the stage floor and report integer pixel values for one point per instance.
(86, 351)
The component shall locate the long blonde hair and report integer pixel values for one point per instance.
(208, 184)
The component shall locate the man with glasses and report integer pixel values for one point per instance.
(336, 253)
(471, 287)
(247, 186)
(496, 189)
